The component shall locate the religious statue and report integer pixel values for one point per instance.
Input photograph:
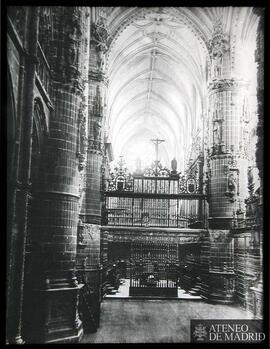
(101, 36)
(97, 130)
(218, 46)
(231, 187)
(231, 183)
(72, 39)
(217, 132)
(174, 165)
(217, 66)
(250, 175)
(250, 180)
(101, 56)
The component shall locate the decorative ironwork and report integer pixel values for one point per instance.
(156, 170)
(153, 180)
(154, 198)
(153, 268)
(120, 179)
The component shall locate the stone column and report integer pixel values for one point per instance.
(56, 290)
(228, 158)
(88, 259)
(227, 162)
(259, 58)
(18, 223)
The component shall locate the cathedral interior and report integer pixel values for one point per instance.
(134, 167)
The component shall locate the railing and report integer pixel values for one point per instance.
(153, 269)
(180, 212)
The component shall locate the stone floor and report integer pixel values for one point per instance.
(123, 292)
(155, 321)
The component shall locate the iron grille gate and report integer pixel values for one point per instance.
(153, 269)
(160, 198)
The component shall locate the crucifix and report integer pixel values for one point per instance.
(156, 142)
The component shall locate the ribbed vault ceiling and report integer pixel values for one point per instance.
(157, 68)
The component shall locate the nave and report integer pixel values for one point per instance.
(155, 321)
(134, 150)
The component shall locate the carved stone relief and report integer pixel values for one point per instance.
(219, 236)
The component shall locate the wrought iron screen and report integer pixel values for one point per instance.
(155, 199)
(153, 268)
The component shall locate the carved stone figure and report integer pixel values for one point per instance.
(100, 37)
(71, 53)
(218, 46)
(97, 130)
(232, 186)
(231, 183)
(217, 132)
(250, 175)
(174, 165)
